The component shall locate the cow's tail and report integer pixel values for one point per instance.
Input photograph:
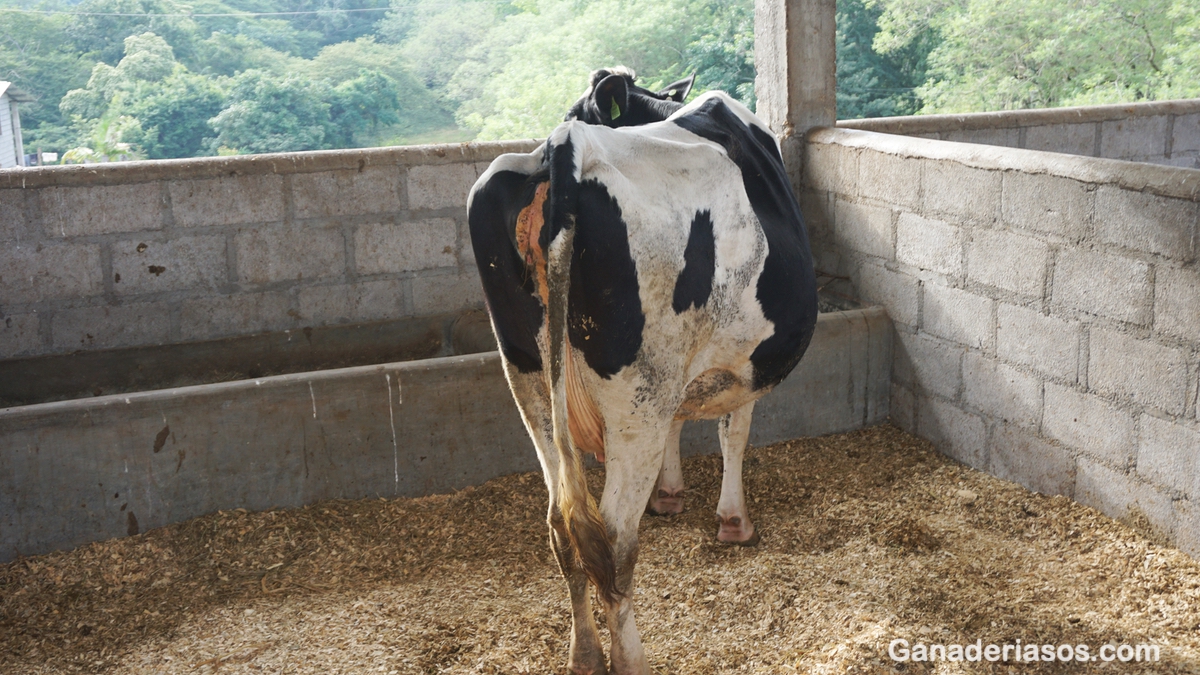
(581, 516)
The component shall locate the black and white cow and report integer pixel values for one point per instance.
(638, 277)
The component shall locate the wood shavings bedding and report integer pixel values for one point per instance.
(867, 537)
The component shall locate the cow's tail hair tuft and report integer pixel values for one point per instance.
(584, 524)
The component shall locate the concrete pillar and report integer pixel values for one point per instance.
(795, 53)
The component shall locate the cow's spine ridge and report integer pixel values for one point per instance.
(581, 515)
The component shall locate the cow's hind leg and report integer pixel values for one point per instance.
(587, 654)
(634, 458)
(667, 497)
(734, 430)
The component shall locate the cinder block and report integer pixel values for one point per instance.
(49, 272)
(440, 186)
(1122, 496)
(1044, 343)
(1146, 222)
(1089, 423)
(1134, 137)
(292, 253)
(1169, 455)
(1140, 370)
(896, 291)
(1177, 303)
(958, 316)
(437, 293)
(1001, 391)
(929, 244)
(953, 431)
(13, 225)
(902, 410)
(466, 252)
(891, 179)
(346, 303)
(238, 314)
(1186, 531)
(1006, 138)
(831, 168)
(929, 364)
(1071, 139)
(818, 214)
(227, 200)
(109, 326)
(381, 248)
(1186, 134)
(373, 190)
(172, 265)
(962, 191)
(1008, 260)
(1020, 456)
(1050, 204)
(78, 211)
(866, 229)
(19, 335)
(1107, 285)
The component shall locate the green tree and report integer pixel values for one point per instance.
(437, 36)
(173, 116)
(362, 105)
(871, 84)
(532, 65)
(418, 111)
(331, 20)
(34, 56)
(229, 54)
(721, 55)
(101, 26)
(266, 113)
(1004, 54)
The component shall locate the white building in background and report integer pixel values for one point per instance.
(12, 153)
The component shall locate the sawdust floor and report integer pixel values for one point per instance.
(867, 536)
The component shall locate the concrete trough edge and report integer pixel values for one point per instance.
(73, 472)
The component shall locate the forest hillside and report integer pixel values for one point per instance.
(132, 79)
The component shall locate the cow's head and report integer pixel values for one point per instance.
(614, 100)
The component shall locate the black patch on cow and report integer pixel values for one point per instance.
(605, 319)
(508, 288)
(694, 284)
(787, 288)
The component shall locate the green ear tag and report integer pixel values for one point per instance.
(616, 110)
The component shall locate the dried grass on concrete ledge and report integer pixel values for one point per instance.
(867, 536)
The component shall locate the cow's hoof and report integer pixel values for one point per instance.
(736, 531)
(663, 503)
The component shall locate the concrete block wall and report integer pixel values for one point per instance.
(1159, 132)
(147, 253)
(1047, 310)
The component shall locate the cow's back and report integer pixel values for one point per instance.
(695, 213)
(690, 253)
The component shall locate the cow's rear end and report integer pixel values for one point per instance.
(638, 277)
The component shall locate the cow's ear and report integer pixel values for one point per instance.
(678, 91)
(612, 98)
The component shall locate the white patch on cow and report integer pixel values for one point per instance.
(661, 175)
(525, 164)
